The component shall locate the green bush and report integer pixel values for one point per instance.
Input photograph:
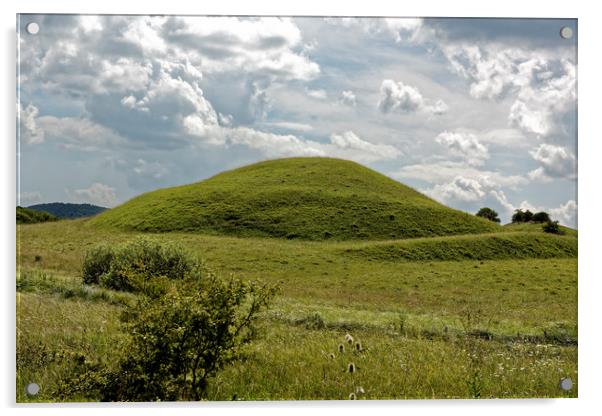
(541, 217)
(551, 227)
(177, 342)
(489, 214)
(522, 216)
(97, 262)
(130, 267)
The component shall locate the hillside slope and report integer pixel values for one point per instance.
(30, 216)
(305, 198)
(498, 246)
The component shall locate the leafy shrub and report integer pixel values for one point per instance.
(129, 267)
(97, 262)
(177, 341)
(489, 214)
(182, 330)
(551, 227)
(522, 216)
(541, 217)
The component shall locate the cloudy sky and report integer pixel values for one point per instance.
(472, 112)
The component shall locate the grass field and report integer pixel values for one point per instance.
(433, 322)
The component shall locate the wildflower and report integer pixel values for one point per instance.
(360, 390)
(341, 348)
(349, 338)
(351, 368)
(352, 396)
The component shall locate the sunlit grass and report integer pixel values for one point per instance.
(424, 326)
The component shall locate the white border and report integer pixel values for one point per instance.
(589, 194)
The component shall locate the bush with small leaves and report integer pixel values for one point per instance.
(130, 266)
(177, 341)
(551, 227)
(489, 214)
(186, 324)
(97, 262)
(541, 217)
(522, 216)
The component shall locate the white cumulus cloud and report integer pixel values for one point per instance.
(348, 98)
(402, 98)
(565, 214)
(98, 194)
(465, 145)
(459, 189)
(317, 94)
(556, 162)
(29, 130)
(349, 140)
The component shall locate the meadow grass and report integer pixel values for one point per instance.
(430, 328)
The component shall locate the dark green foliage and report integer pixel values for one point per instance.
(527, 216)
(541, 217)
(522, 216)
(183, 338)
(551, 227)
(29, 216)
(182, 330)
(68, 210)
(177, 342)
(297, 198)
(97, 262)
(130, 266)
(488, 214)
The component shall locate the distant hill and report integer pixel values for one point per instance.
(67, 210)
(30, 216)
(296, 198)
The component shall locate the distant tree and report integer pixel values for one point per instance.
(518, 216)
(541, 217)
(489, 214)
(551, 227)
(527, 216)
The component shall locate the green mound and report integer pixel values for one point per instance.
(537, 227)
(499, 246)
(30, 216)
(304, 198)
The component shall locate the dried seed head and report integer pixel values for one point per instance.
(351, 368)
(349, 338)
(352, 396)
(358, 346)
(331, 355)
(341, 348)
(360, 390)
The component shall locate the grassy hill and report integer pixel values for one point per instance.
(296, 198)
(536, 227)
(68, 210)
(499, 246)
(30, 216)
